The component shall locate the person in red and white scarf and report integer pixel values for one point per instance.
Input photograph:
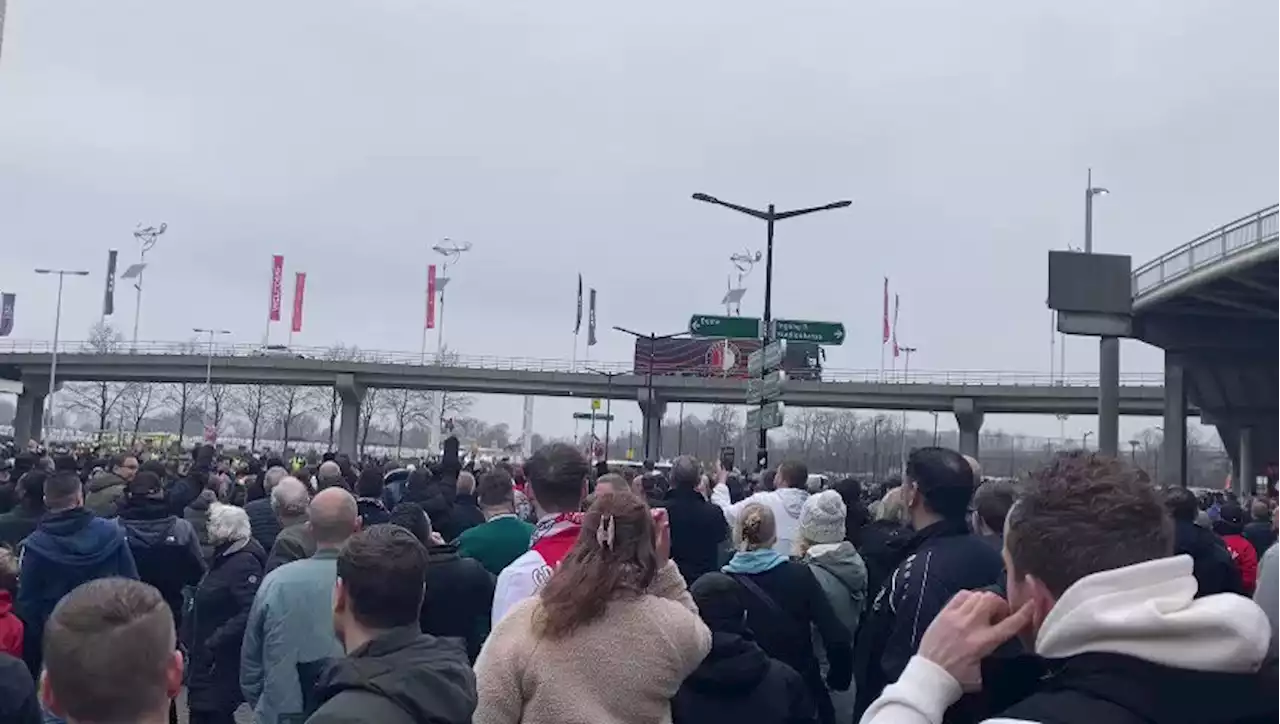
(557, 484)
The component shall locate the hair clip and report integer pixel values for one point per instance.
(604, 534)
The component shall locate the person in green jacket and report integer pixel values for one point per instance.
(503, 537)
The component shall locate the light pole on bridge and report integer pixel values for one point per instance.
(208, 371)
(147, 237)
(1108, 350)
(651, 451)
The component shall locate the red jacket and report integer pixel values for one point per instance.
(1246, 559)
(10, 627)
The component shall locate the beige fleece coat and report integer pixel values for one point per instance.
(622, 668)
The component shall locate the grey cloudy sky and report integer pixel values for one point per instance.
(560, 137)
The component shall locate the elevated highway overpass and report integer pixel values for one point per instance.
(1211, 305)
(968, 395)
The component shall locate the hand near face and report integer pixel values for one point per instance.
(971, 626)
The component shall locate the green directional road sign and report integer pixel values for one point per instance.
(799, 330)
(711, 325)
(768, 388)
(592, 415)
(767, 417)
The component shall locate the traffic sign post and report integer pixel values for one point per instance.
(766, 358)
(767, 417)
(799, 330)
(714, 325)
(767, 388)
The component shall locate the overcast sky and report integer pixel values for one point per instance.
(566, 137)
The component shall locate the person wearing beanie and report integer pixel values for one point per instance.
(840, 573)
(738, 681)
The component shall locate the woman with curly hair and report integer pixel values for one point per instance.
(609, 638)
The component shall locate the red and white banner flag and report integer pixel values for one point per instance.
(431, 296)
(895, 326)
(299, 289)
(884, 337)
(277, 278)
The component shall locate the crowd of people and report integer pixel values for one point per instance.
(555, 592)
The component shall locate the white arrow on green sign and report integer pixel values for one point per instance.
(800, 330)
(714, 325)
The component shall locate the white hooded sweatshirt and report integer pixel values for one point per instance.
(786, 504)
(1148, 611)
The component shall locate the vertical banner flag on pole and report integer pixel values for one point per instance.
(895, 326)
(431, 296)
(577, 321)
(6, 314)
(591, 320)
(299, 288)
(109, 294)
(884, 337)
(277, 278)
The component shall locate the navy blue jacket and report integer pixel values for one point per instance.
(940, 561)
(68, 548)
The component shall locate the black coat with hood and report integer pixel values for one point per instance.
(1214, 569)
(464, 514)
(738, 682)
(401, 677)
(104, 494)
(215, 624)
(197, 514)
(698, 532)
(165, 549)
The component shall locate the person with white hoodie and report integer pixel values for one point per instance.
(1117, 630)
(785, 502)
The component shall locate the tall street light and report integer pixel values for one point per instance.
(208, 368)
(902, 433)
(608, 403)
(769, 216)
(1108, 350)
(452, 252)
(651, 450)
(147, 237)
(57, 327)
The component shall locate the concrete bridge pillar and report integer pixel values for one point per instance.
(1244, 482)
(969, 419)
(652, 410)
(28, 418)
(1173, 448)
(352, 395)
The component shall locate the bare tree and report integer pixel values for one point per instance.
(290, 404)
(370, 408)
(99, 399)
(181, 398)
(337, 353)
(452, 404)
(252, 402)
(219, 399)
(136, 403)
(403, 409)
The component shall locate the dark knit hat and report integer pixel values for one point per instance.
(720, 602)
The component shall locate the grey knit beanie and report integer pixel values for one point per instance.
(822, 518)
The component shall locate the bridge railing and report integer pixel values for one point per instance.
(535, 364)
(1225, 241)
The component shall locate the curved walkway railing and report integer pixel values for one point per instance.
(1222, 243)
(534, 364)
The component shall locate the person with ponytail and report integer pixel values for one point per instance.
(615, 593)
(784, 603)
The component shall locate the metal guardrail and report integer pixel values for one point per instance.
(1223, 242)
(534, 364)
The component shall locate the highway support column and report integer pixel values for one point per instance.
(1173, 448)
(969, 419)
(28, 418)
(652, 410)
(352, 395)
(1246, 474)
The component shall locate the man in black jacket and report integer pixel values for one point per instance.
(738, 681)
(1119, 635)
(1215, 572)
(393, 673)
(262, 519)
(942, 559)
(698, 527)
(465, 513)
(19, 522)
(164, 546)
(1259, 531)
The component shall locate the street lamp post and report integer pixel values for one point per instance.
(608, 404)
(906, 379)
(651, 450)
(935, 426)
(452, 252)
(208, 368)
(147, 237)
(1108, 350)
(57, 327)
(769, 216)
(1084, 439)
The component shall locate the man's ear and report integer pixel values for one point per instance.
(173, 675)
